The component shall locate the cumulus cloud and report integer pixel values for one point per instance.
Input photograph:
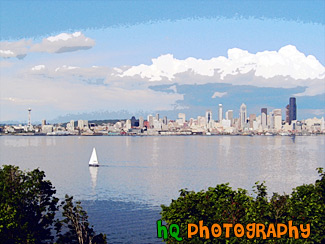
(17, 49)
(64, 42)
(288, 61)
(285, 68)
(219, 94)
(61, 43)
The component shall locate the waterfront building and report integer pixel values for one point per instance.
(230, 116)
(157, 117)
(165, 120)
(208, 116)
(264, 118)
(277, 119)
(150, 120)
(226, 123)
(220, 113)
(140, 121)
(270, 119)
(128, 124)
(47, 129)
(70, 126)
(134, 122)
(43, 122)
(288, 114)
(181, 118)
(83, 124)
(292, 109)
(252, 118)
(243, 116)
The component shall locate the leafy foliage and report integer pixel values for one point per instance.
(222, 204)
(27, 206)
(76, 221)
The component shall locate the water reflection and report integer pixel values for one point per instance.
(93, 175)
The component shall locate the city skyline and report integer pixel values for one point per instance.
(287, 115)
(152, 60)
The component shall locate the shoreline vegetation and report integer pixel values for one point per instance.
(220, 206)
(29, 213)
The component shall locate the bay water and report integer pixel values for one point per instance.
(138, 174)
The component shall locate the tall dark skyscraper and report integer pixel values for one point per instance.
(292, 109)
(264, 118)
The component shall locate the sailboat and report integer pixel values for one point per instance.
(93, 162)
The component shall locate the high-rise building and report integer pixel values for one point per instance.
(43, 122)
(83, 124)
(277, 117)
(288, 114)
(220, 113)
(150, 120)
(29, 117)
(292, 109)
(252, 118)
(243, 116)
(264, 118)
(157, 117)
(182, 118)
(208, 116)
(134, 122)
(230, 116)
(270, 119)
(140, 121)
(165, 120)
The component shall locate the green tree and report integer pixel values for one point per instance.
(27, 206)
(76, 223)
(222, 204)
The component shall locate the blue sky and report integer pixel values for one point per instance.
(110, 65)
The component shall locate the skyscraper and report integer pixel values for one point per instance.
(220, 113)
(252, 118)
(288, 114)
(243, 115)
(182, 118)
(140, 121)
(165, 120)
(264, 118)
(292, 109)
(277, 117)
(208, 116)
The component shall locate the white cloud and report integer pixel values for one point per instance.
(38, 67)
(64, 42)
(61, 43)
(219, 94)
(17, 49)
(288, 61)
(286, 68)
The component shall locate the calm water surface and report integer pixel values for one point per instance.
(138, 174)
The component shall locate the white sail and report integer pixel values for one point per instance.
(93, 159)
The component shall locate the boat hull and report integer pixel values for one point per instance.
(93, 165)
